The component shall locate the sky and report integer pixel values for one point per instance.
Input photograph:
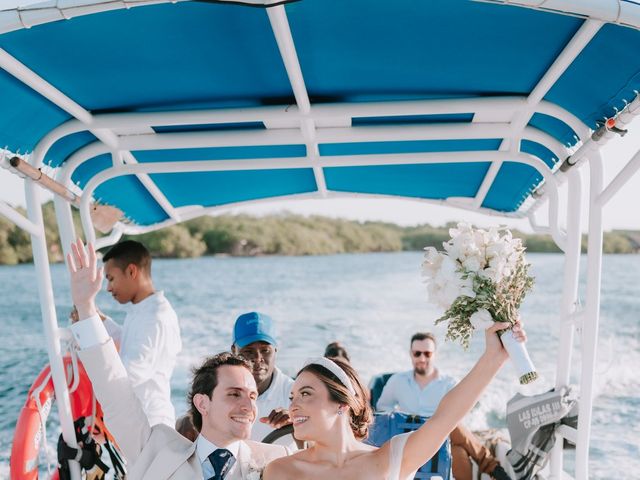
(620, 213)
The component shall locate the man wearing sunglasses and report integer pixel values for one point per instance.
(419, 392)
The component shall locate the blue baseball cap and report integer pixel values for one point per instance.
(253, 327)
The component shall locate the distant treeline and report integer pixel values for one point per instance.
(283, 234)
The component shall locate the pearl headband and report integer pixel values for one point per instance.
(333, 368)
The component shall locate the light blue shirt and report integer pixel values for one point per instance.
(403, 393)
(204, 448)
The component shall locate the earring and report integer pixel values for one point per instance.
(340, 411)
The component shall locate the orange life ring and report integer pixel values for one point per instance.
(28, 434)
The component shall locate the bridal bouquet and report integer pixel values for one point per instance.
(480, 278)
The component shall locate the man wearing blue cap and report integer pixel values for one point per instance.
(254, 338)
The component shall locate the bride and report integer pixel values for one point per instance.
(329, 408)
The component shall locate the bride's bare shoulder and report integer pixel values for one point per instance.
(365, 462)
(284, 467)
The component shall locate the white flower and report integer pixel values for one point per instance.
(254, 468)
(481, 319)
(448, 269)
(500, 250)
(473, 263)
(432, 262)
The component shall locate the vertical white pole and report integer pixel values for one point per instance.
(49, 320)
(66, 226)
(85, 217)
(591, 318)
(569, 301)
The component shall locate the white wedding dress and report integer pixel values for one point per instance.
(395, 462)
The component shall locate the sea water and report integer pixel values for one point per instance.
(372, 303)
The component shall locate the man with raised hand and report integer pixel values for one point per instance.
(222, 401)
(149, 341)
(419, 392)
(254, 338)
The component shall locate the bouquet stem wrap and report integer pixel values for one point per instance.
(520, 357)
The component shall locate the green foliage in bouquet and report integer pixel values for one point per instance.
(502, 300)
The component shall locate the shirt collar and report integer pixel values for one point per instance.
(412, 376)
(149, 301)
(204, 448)
(274, 379)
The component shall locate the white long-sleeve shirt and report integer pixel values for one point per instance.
(276, 396)
(149, 344)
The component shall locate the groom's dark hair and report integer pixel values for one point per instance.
(205, 379)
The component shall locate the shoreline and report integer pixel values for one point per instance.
(284, 235)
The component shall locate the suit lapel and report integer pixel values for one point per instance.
(165, 466)
(240, 468)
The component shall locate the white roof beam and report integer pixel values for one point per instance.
(152, 188)
(579, 41)
(620, 180)
(613, 11)
(338, 161)
(15, 15)
(325, 115)
(55, 96)
(445, 131)
(19, 220)
(188, 140)
(132, 229)
(282, 32)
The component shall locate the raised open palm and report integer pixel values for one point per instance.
(86, 277)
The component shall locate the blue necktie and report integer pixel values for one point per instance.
(221, 461)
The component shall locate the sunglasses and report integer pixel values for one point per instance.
(418, 354)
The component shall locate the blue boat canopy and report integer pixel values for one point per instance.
(167, 110)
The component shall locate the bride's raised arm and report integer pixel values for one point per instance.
(425, 442)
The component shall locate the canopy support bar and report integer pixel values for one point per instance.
(579, 41)
(49, 320)
(568, 305)
(620, 180)
(615, 11)
(590, 325)
(335, 161)
(282, 32)
(113, 238)
(290, 116)
(277, 137)
(18, 219)
(48, 91)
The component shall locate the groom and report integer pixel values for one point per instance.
(222, 401)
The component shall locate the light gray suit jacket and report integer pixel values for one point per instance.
(159, 452)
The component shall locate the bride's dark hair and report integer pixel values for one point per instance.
(360, 412)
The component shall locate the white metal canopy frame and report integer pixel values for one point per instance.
(127, 135)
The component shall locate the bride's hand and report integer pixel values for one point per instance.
(494, 347)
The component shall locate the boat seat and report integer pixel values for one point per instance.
(386, 425)
(376, 385)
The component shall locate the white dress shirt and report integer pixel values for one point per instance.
(403, 393)
(90, 332)
(204, 448)
(276, 396)
(149, 344)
